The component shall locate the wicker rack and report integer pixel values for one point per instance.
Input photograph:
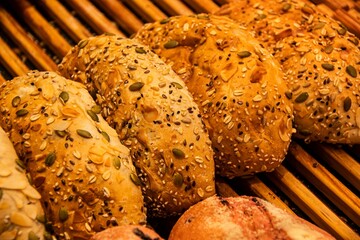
(319, 182)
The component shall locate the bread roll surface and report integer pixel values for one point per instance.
(131, 232)
(76, 161)
(237, 84)
(21, 213)
(242, 218)
(320, 59)
(154, 115)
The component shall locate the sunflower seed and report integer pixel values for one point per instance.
(20, 219)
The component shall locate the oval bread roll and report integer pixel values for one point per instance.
(242, 218)
(154, 115)
(21, 214)
(132, 232)
(76, 161)
(321, 61)
(237, 84)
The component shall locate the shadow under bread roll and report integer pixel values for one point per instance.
(237, 84)
(321, 62)
(21, 213)
(154, 115)
(84, 174)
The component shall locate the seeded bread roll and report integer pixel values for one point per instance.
(321, 61)
(133, 232)
(242, 218)
(21, 214)
(237, 84)
(154, 115)
(83, 172)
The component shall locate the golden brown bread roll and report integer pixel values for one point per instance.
(321, 61)
(154, 115)
(21, 214)
(132, 232)
(237, 84)
(244, 218)
(76, 161)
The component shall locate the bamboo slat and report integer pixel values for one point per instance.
(340, 161)
(202, 6)
(10, 60)
(310, 204)
(146, 10)
(64, 19)
(174, 7)
(223, 189)
(21, 38)
(94, 17)
(326, 182)
(42, 27)
(350, 23)
(122, 15)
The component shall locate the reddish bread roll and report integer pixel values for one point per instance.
(84, 174)
(244, 218)
(321, 62)
(131, 232)
(154, 115)
(237, 84)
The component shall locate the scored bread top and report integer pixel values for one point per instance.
(21, 214)
(154, 115)
(321, 61)
(237, 84)
(84, 174)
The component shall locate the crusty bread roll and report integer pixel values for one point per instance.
(76, 161)
(320, 59)
(131, 232)
(21, 214)
(242, 218)
(236, 83)
(154, 115)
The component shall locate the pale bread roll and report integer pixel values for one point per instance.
(131, 232)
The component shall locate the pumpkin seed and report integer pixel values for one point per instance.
(166, 20)
(50, 159)
(16, 101)
(178, 153)
(319, 25)
(93, 115)
(83, 133)
(286, 7)
(20, 163)
(140, 50)
(177, 85)
(351, 71)
(106, 136)
(347, 104)
(109, 34)
(22, 112)
(328, 66)
(96, 109)
(136, 86)
(117, 163)
(202, 16)
(132, 67)
(354, 40)
(260, 17)
(33, 236)
(178, 179)
(135, 179)
(302, 97)
(305, 132)
(41, 218)
(83, 43)
(244, 54)
(60, 133)
(63, 214)
(288, 94)
(342, 31)
(328, 49)
(171, 44)
(64, 96)
(307, 9)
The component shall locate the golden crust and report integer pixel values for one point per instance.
(321, 61)
(154, 115)
(237, 84)
(75, 159)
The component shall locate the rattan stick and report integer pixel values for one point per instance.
(146, 10)
(10, 60)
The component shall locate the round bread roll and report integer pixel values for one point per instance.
(21, 214)
(237, 84)
(242, 218)
(84, 174)
(321, 61)
(154, 115)
(131, 232)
